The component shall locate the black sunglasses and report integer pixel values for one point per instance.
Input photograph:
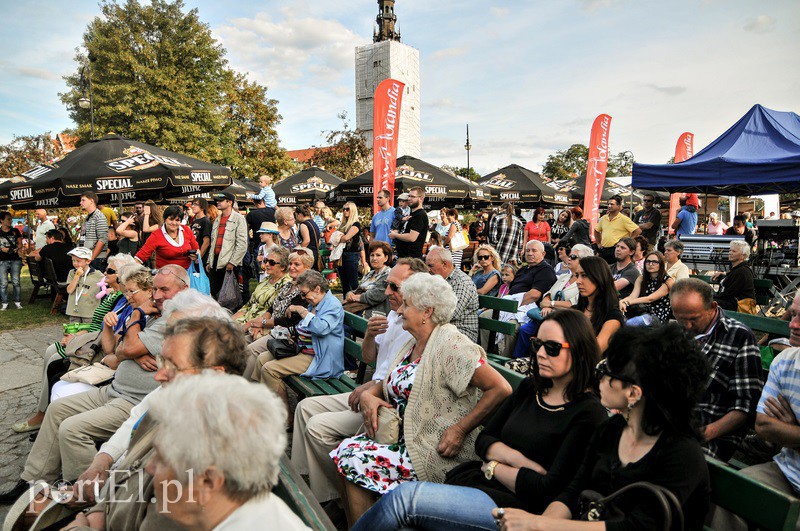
(574, 257)
(110, 271)
(551, 348)
(392, 286)
(602, 370)
(271, 262)
(484, 257)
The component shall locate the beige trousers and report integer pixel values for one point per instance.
(271, 372)
(71, 426)
(320, 424)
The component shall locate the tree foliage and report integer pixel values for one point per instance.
(25, 152)
(158, 76)
(467, 173)
(346, 154)
(572, 162)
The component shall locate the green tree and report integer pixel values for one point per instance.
(467, 173)
(567, 163)
(158, 76)
(25, 152)
(346, 154)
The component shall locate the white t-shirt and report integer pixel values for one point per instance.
(389, 344)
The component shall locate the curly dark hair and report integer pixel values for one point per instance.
(667, 364)
(583, 348)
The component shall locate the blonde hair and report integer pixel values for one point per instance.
(351, 219)
(492, 251)
(283, 214)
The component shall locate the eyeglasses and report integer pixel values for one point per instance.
(164, 271)
(574, 257)
(171, 368)
(305, 293)
(652, 262)
(271, 262)
(602, 370)
(484, 257)
(551, 348)
(110, 271)
(392, 286)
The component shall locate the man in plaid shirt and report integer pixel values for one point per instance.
(465, 317)
(506, 235)
(734, 386)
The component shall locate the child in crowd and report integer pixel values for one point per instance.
(507, 274)
(82, 286)
(266, 193)
(268, 236)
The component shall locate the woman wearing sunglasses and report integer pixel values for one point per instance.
(276, 265)
(598, 298)
(486, 271)
(529, 449)
(653, 438)
(353, 247)
(648, 303)
(563, 294)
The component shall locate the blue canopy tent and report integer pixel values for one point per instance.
(760, 154)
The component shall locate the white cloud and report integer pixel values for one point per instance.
(446, 53)
(38, 73)
(498, 11)
(760, 24)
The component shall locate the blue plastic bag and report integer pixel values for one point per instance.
(197, 277)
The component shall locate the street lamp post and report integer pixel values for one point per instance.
(468, 146)
(84, 102)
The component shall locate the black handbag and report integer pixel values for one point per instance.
(595, 507)
(282, 348)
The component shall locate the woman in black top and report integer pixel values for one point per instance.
(10, 261)
(648, 303)
(598, 298)
(560, 227)
(352, 256)
(308, 231)
(653, 438)
(530, 449)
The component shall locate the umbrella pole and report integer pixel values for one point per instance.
(705, 210)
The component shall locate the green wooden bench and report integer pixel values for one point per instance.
(512, 377)
(324, 254)
(293, 490)
(767, 325)
(306, 387)
(759, 505)
(494, 325)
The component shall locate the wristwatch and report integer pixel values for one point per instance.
(552, 303)
(489, 472)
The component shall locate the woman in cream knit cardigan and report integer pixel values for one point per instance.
(442, 389)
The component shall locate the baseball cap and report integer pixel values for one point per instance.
(81, 252)
(224, 195)
(403, 197)
(268, 227)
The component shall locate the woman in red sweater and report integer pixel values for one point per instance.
(171, 243)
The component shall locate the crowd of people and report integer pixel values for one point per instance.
(633, 372)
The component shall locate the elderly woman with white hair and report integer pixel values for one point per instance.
(453, 392)
(737, 290)
(57, 354)
(197, 485)
(563, 294)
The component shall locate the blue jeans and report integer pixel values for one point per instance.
(348, 271)
(14, 267)
(430, 506)
(526, 332)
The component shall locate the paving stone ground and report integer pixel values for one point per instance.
(21, 358)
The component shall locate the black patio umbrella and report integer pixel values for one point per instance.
(441, 188)
(610, 188)
(523, 186)
(239, 189)
(305, 186)
(116, 169)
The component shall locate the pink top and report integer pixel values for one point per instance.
(717, 229)
(166, 252)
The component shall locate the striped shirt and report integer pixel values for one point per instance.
(784, 380)
(94, 229)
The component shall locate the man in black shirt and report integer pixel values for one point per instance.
(739, 228)
(649, 220)
(56, 250)
(411, 238)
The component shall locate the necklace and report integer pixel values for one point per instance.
(546, 407)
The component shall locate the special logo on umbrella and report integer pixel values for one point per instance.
(499, 181)
(365, 190)
(509, 196)
(123, 183)
(138, 159)
(313, 183)
(201, 177)
(435, 190)
(407, 171)
(20, 194)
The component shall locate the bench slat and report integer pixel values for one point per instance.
(495, 303)
(356, 322)
(512, 377)
(761, 324)
(496, 326)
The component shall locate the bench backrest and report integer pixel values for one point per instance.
(493, 325)
(295, 493)
(756, 323)
(512, 377)
(758, 504)
(356, 322)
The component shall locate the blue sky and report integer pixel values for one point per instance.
(529, 77)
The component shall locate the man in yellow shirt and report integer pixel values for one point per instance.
(612, 227)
